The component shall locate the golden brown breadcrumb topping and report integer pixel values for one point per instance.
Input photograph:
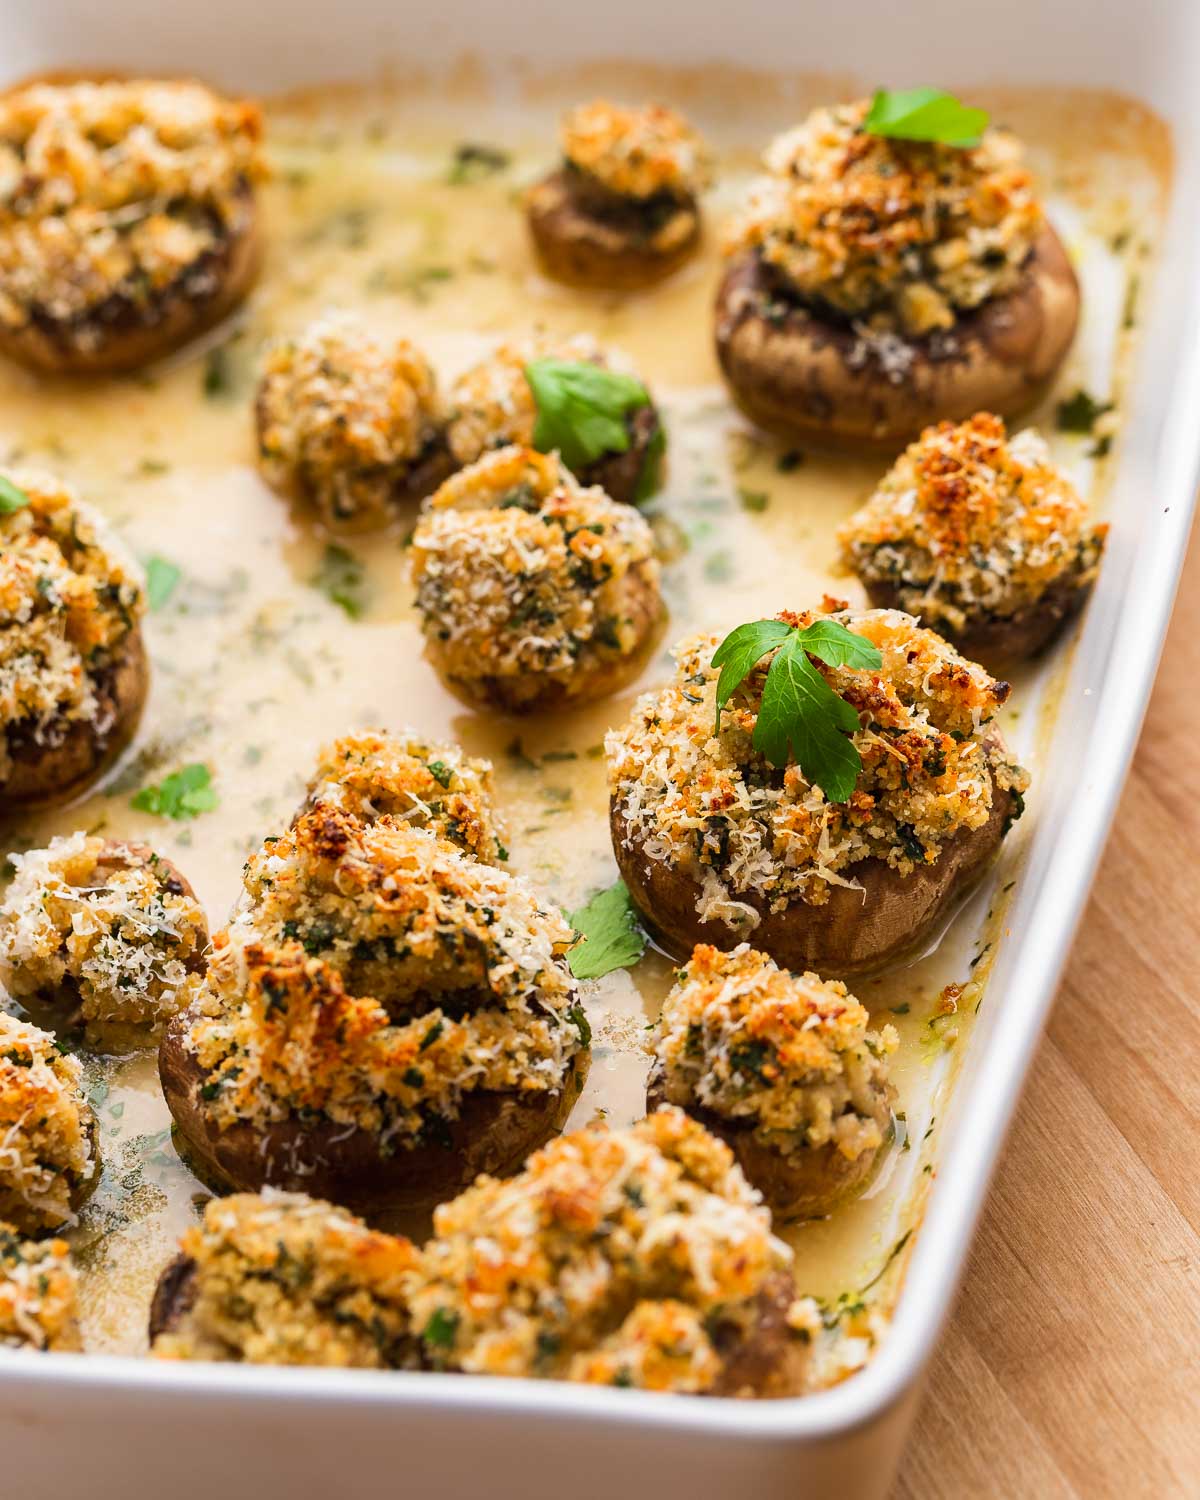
(714, 809)
(103, 925)
(70, 597)
(38, 1286)
(115, 192)
(283, 1279)
(969, 522)
(644, 153)
(898, 235)
(790, 1054)
(343, 420)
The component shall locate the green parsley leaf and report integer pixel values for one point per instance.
(925, 115)
(184, 794)
(12, 497)
(161, 579)
(800, 717)
(581, 409)
(342, 579)
(474, 160)
(1080, 412)
(612, 936)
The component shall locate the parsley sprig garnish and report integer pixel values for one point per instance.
(12, 497)
(581, 412)
(800, 717)
(925, 115)
(186, 793)
(612, 937)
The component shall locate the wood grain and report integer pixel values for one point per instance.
(1071, 1365)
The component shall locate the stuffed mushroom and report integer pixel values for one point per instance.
(350, 426)
(718, 845)
(128, 219)
(874, 285)
(533, 592)
(981, 536)
(637, 1258)
(49, 1160)
(102, 932)
(283, 1279)
(38, 1294)
(534, 392)
(623, 209)
(73, 671)
(783, 1068)
(385, 1018)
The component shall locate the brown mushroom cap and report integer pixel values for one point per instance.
(811, 379)
(174, 1295)
(771, 1361)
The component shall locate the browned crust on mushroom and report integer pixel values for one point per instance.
(806, 377)
(122, 334)
(854, 932)
(493, 1133)
(591, 239)
(803, 1184)
(772, 1361)
(174, 1295)
(60, 766)
(619, 475)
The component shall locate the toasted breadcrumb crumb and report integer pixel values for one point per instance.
(641, 154)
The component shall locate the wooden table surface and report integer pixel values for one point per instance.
(1071, 1366)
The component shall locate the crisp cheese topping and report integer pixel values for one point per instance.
(790, 1054)
(105, 925)
(895, 234)
(69, 598)
(642, 154)
(38, 1287)
(115, 191)
(969, 522)
(711, 807)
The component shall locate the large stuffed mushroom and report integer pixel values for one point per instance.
(38, 1294)
(875, 285)
(129, 220)
(719, 846)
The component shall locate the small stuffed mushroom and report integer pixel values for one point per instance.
(638, 1258)
(349, 426)
(533, 592)
(73, 671)
(129, 220)
(719, 846)
(534, 392)
(876, 285)
(409, 779)
(386, 1018)
(49, 1142)
(981, 536)
(283, 1279)
(104, 932)
(38, 1294)
(623, 210)
(784, 1069)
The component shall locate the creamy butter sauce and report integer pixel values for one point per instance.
(254, 666)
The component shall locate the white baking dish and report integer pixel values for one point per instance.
(103, 1426)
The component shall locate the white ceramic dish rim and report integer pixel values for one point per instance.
(1159, 453)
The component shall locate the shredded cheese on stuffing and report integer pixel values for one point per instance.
(898, 235)
(608, 1259)
(789, 1054)
(717, 812)
(38, 1287)
(287, 1280)
(970, 523)
(46, 1129)
(105, 924)
(70, 596)
(641, 154)
(114, 192)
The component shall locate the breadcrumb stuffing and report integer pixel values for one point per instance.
(790, 1054)
(645, 153)
(378, 976)
(412, 780)
(47, 1156)
(613, 1258)
(283, 1279)
(70, 597)
(898, 235)
(105, 924)
(970, 523)
(38, 1288)
(343, 420)
(115, 192)
(525, 577)
(718, 812)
